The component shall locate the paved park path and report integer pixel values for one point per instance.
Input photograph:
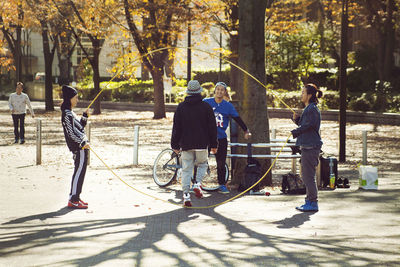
(125, 228)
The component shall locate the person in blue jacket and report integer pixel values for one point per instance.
(223, 110)
(310, 143)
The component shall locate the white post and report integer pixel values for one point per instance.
(38, 141)
(135, 144)
(88, 136)
(273, 133)
(364, 150)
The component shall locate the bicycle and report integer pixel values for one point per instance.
(167, 167)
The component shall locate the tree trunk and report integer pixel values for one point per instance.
(96, 82)
(385, 47)
(48, 62)
(234, 48)
(234, 73)
(64, 62)
(253, 106)
(342, 83)
(18, 47)
(18, 56)
(159, 103)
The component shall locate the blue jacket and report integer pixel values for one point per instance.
(307, 133)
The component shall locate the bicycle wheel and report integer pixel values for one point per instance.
(165, 167)
(210, 181)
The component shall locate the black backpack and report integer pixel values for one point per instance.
(252, 172)
(292, 184)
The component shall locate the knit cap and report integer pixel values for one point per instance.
(68, 92)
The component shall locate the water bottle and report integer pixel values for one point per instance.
(332, 177)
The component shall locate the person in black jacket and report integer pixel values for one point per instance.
(77, 143)
(194, 130)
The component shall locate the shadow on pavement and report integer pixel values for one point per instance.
(41, 217)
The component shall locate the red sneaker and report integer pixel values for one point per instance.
(197, 191)
(83, 202)
(76, 205)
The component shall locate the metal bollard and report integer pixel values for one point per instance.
(38, 141)
(88, 136)
(364, 150)
(135, 144)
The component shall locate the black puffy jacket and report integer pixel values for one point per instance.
(194, 125)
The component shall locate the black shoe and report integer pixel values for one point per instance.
(22, 141)
(339, 183)
(16, 141)
(346, 183)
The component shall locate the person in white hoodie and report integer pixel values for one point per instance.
(17, 103)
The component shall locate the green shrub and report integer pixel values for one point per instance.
(212, 76)
(330, 100)
(395, 104)
(362, 103)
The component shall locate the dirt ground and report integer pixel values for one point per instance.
(125, 228)
(112, 137)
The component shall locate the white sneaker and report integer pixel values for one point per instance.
(197, 190)
(186, 200)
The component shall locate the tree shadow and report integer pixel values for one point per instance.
(42, 216)
(151, 232)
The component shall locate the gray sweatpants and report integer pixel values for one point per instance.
(309, 163)
(191, 158)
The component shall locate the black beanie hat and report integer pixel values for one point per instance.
(68, 92)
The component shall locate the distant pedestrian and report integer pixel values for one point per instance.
(17, 103)
(77, 143)
(193, 132)
(310, 143)
(223, 111)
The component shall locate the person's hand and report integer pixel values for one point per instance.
(176, 151)
(11, 111)
(295, 116)
(247, 135)
(214, 151)
(86, 146)
(33, 115)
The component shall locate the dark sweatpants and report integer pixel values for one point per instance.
(309, 163)
(80, 160)
(221, 159)
(19, 122)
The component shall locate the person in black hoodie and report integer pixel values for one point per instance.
(77, 143)
(194, 130)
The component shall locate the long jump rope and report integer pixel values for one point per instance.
(156, 198)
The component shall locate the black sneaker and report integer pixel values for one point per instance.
(22, 141)
(16, 141)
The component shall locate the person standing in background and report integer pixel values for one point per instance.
(17, 103)
(223, 110)
(310, 143)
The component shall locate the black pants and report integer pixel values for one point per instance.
(19, 122)
(221, 159)
(80, 160)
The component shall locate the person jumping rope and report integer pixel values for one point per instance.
(77, 143)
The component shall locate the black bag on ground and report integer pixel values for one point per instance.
(292, 184)
(325, 170)
(252, 173)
